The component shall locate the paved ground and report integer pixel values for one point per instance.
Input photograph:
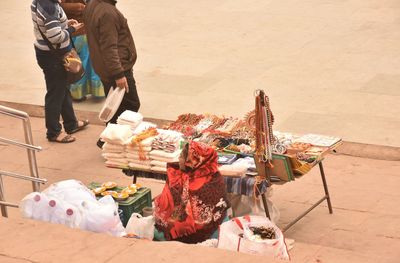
(363, 227)
(329, 67)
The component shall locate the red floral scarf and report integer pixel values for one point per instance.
(193, 202)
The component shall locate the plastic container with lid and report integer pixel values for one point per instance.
(111, 104)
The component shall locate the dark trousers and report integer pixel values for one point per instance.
(58, 99)
(130, 101)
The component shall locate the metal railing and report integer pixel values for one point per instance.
(31, 151)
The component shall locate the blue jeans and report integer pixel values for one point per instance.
(58, 99)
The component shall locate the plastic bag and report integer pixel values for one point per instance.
(110, 107)
(141, 226)
(248, 205)
(71, 191)
(102, 217)
(232, 237)
(35, 206)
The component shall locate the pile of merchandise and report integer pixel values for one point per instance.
(137, 144)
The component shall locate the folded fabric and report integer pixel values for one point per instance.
(109, 147)
(159, 169)
(137, 161)
(112, 151)
(116, 134)
(119, 166)
(144, 125)
(116, 162)
(139, 166)
(158, 163)
(232, 170)
(131, 116)
(167, 160)
(159, 153)
(145, 143)
(135, 149)
(114, 155)
(136, 156)
(131, 124)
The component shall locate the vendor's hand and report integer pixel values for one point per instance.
(72, 22)
(123, 84)
(77, 26)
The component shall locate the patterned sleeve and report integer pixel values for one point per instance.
(49, 13)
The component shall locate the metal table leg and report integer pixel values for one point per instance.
(328, 198)
(264, 200)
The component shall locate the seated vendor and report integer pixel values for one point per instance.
(193, 202)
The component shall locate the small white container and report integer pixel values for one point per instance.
(114, 99)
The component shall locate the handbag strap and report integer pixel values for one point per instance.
(45, 38)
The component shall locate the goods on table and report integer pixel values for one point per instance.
(151, 149)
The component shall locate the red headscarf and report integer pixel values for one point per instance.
(193, 201)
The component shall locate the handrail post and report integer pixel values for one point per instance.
(4, 211)
(31, 154)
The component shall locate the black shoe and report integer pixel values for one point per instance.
(100, 143)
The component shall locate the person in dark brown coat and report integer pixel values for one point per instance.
(112, 50)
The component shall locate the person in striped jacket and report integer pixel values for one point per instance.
(52, 31)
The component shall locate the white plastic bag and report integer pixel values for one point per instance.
(35, 206)
(247, 205)
(141, 226)
(71, 191)
(232, 236)
(102, 217)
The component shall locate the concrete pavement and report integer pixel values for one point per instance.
(330, 67)
(363, 227)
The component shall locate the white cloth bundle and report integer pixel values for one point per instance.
(145, 143)
(131, 116)
(144, 125)
(158, 163)
(116, 134)
(158, 169)
(130, 149)
(167, 160)
(117, 161)
(233, 170)
(111, 155)
(162, 154)
(139, 166)
(136, 156)
(137, 161)
(109, 147)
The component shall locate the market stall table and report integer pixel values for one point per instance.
(245, 186)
